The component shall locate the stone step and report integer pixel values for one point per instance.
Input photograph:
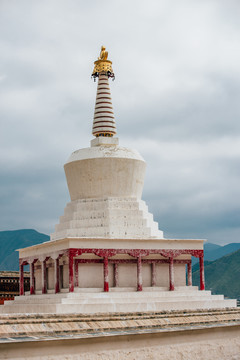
(33, 301)
(102, 204)
(134, 289)
(88, 300)
(30, 309)
(120, 296)
(86, 215)
(120, 291)
(152, 306)
(129, 218)
(70, 299)
(114, 307)
(102, 232)
(98, 301)
(101, 209)
(133, 222)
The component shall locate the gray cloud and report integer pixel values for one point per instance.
(175, 99)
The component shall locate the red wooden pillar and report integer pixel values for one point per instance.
(201, 266)
(189, 273)
(21, 279)
(44, 277)
(139, 273)
(153, 268)
(56, 275)
(76, 272)
(171, 275)
(32, 282)
(105, 273)
(115, 269)
(71, 274)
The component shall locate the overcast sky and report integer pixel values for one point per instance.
(176, 100)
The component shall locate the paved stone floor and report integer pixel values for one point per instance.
(41, 327)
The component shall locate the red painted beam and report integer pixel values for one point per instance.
(201, 268)
(56, 275)
(44, 277)
(111, 252)
(167, 253)
(139, 274)
(71, 276)
(105, 273)
(131, 261)
(171, 275)
(21, 279)
(76, 272)
(32, 282)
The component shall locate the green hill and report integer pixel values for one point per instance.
(12, 240)
(209, 247)
(222, 275)
(217, 253)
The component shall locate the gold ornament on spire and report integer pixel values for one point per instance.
(102, 65)
(103, 54)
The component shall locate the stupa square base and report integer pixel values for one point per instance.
(103, 275)
(110, 263)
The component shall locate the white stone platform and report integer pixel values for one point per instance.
(92, 301)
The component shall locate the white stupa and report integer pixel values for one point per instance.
(107, 241)
(105, 183)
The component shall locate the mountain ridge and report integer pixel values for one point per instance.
(11, 240)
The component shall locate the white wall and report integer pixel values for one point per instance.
(91, 275)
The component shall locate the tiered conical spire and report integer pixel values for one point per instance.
(103, 123)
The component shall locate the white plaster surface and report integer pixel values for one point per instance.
(105, 171)
(207, 344)
(105, 152)
(103, 140)
(127, 275)
(107, 217)
(86, 302)
(91, 275)
(222, 347)
(51, 247)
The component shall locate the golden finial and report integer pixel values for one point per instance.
(102, 65)
(103, 54)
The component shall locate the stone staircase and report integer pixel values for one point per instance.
(92, 301)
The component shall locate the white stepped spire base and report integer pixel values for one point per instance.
(108, 217)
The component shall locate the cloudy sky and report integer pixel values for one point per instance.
(176, 99)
